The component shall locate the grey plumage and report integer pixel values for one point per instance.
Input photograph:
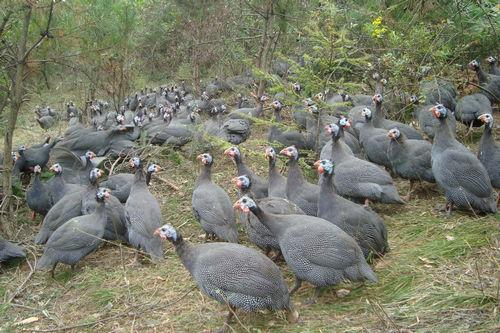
(458, 172)
(373, 140)
(489, 151)
(276, 182)
(212, 206)
(10, 250)
(120, 185)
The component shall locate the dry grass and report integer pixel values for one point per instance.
(440, 276)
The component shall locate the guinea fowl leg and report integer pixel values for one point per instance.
(298, 283)
(313, 299)
(448, 208)
(33, 215)
(407, 197)
(52, 270)
(136, 262)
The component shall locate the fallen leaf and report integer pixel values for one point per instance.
(450, 238)
(27, 321)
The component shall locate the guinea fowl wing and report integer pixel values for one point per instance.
(250, 278)
(467, 172)
(76, 234)
(366, 172)
(209, 202)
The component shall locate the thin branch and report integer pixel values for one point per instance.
(44, 34)
(4, 21)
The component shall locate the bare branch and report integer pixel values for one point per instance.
(4, 21)
(44, 33)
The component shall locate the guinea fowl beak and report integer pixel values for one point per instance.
(390, 136)
(158, 168)
(199, 157)
(229, 152)
(317, 164)
(236, 205)
(131, 163)
(348, 124)
(159, 234)
(328, 129)
(284, 152)
(236, 182)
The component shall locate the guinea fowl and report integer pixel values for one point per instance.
(76, 238)
(494, 69)
(259, 234)
(35, 155)
(361, 223)
(259, 185)
(410, 159)
(438, 91)
(373, 140)
(276, 182)
(9, 250)
(380, 121)
(232, 274)
(336, 256)
(298, 189)
(285, 137)
(426, 121)
(348, 141)
(458, 172)
(57, 186)
(71, 110)
(212, 206)
(120, 185)
(469, 108)
(490, 84)
(37, 196)
(116, 228)
(143, 213)
(357, 178)
(489, 151)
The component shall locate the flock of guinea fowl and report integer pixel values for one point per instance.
(324, 232)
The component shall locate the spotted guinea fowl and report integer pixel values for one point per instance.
(143, 214)
(440, 91)
(357, 178)
(76, 168)
(426, 121)
(37, 195)
(285, 137)
(410, 159)
(232, 274)
(10, 250)
(458, 172)
(489, 151)
(361, 223)
(116, 228)
(259, 234)
(58, 187)
(298, 189)
(469, 108)
(316, 250)
(211, 204)
(494, 69)
(490, 84)
(259, 185)
(373, 140)
(76, 238)
(247, 113)
(276, 182)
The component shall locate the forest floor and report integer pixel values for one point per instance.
(441, 275)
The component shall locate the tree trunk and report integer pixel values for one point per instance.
(15, 106)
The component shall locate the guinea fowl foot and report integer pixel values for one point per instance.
(33, 215)
(292, 316)
(314, 298)
(296, 287)
(136, 262)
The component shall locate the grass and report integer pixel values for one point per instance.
(441, 274)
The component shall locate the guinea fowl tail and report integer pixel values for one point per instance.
(155, 249)
(44, 262)
(42, 236)
(228, 233)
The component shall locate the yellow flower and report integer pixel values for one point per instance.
(377, 21)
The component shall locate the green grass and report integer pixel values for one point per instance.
(441, 274)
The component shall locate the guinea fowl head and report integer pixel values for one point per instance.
(14, 156)
(205, 158)
(324, 166)
(233, 152)
(276, 105)
(37, 169)
(487, 119)
(245, 204)
(296, 87)
(439, 111)
(152, 168)
(394, 134)
(89, 155)
(167, 231)
(102, 194)
(21, 149)
(344, 122)
(333, 130)
(319, 96)
(367, 113)
(120, 119)
(491, 60)
(308, 101)
(313, 109)
(95, 174)
(135, 162)
(345, 97)
(263, 99)
(138, 121)
(270, 153)
(242, 182)
(290, 152)
(474, 65)
(377, 98)
(56, 168)
(414, 99)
